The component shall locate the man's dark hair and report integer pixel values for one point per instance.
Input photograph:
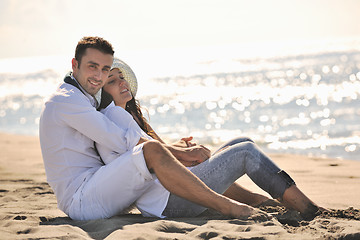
(92, 42)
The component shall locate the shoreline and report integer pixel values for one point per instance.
(29, 209)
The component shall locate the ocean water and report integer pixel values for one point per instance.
(303, 100)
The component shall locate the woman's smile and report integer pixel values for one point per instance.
(125, 90)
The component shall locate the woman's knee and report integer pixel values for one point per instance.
(240, 140)
(247, 145)
(245, 139)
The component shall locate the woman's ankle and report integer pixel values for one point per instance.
(310, 212)
(295, 199)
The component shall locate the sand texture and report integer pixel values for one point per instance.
(28, 207)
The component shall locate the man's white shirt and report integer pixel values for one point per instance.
(69, 125)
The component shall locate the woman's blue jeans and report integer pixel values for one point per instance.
(225, 166)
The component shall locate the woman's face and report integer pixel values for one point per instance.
(118, 88)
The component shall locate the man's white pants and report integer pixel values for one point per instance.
(116, 186)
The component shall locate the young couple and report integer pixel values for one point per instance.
(134, 165)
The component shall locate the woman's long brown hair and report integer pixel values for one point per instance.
(133, 107)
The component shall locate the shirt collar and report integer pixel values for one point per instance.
(94, 100)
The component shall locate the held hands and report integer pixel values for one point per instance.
(194, 155)
(191, 154)
(184, 142)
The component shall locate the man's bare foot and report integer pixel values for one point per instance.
(269, 202)
(243, 211)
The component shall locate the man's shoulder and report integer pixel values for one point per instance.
(67, 93)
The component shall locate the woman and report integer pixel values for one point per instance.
(219, 172)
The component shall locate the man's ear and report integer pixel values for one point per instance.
(74, 64)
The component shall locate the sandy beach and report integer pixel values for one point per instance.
(28, 208)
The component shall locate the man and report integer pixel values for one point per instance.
(69, 126)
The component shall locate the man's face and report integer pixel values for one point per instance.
(93, 70)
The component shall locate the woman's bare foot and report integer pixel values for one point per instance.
(297, 200)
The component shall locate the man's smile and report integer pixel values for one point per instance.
(94, 82)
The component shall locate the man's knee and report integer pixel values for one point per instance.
(152, 146)
(153, 150)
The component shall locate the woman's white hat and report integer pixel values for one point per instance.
(128, 74)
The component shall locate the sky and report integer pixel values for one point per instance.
(53, 27)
